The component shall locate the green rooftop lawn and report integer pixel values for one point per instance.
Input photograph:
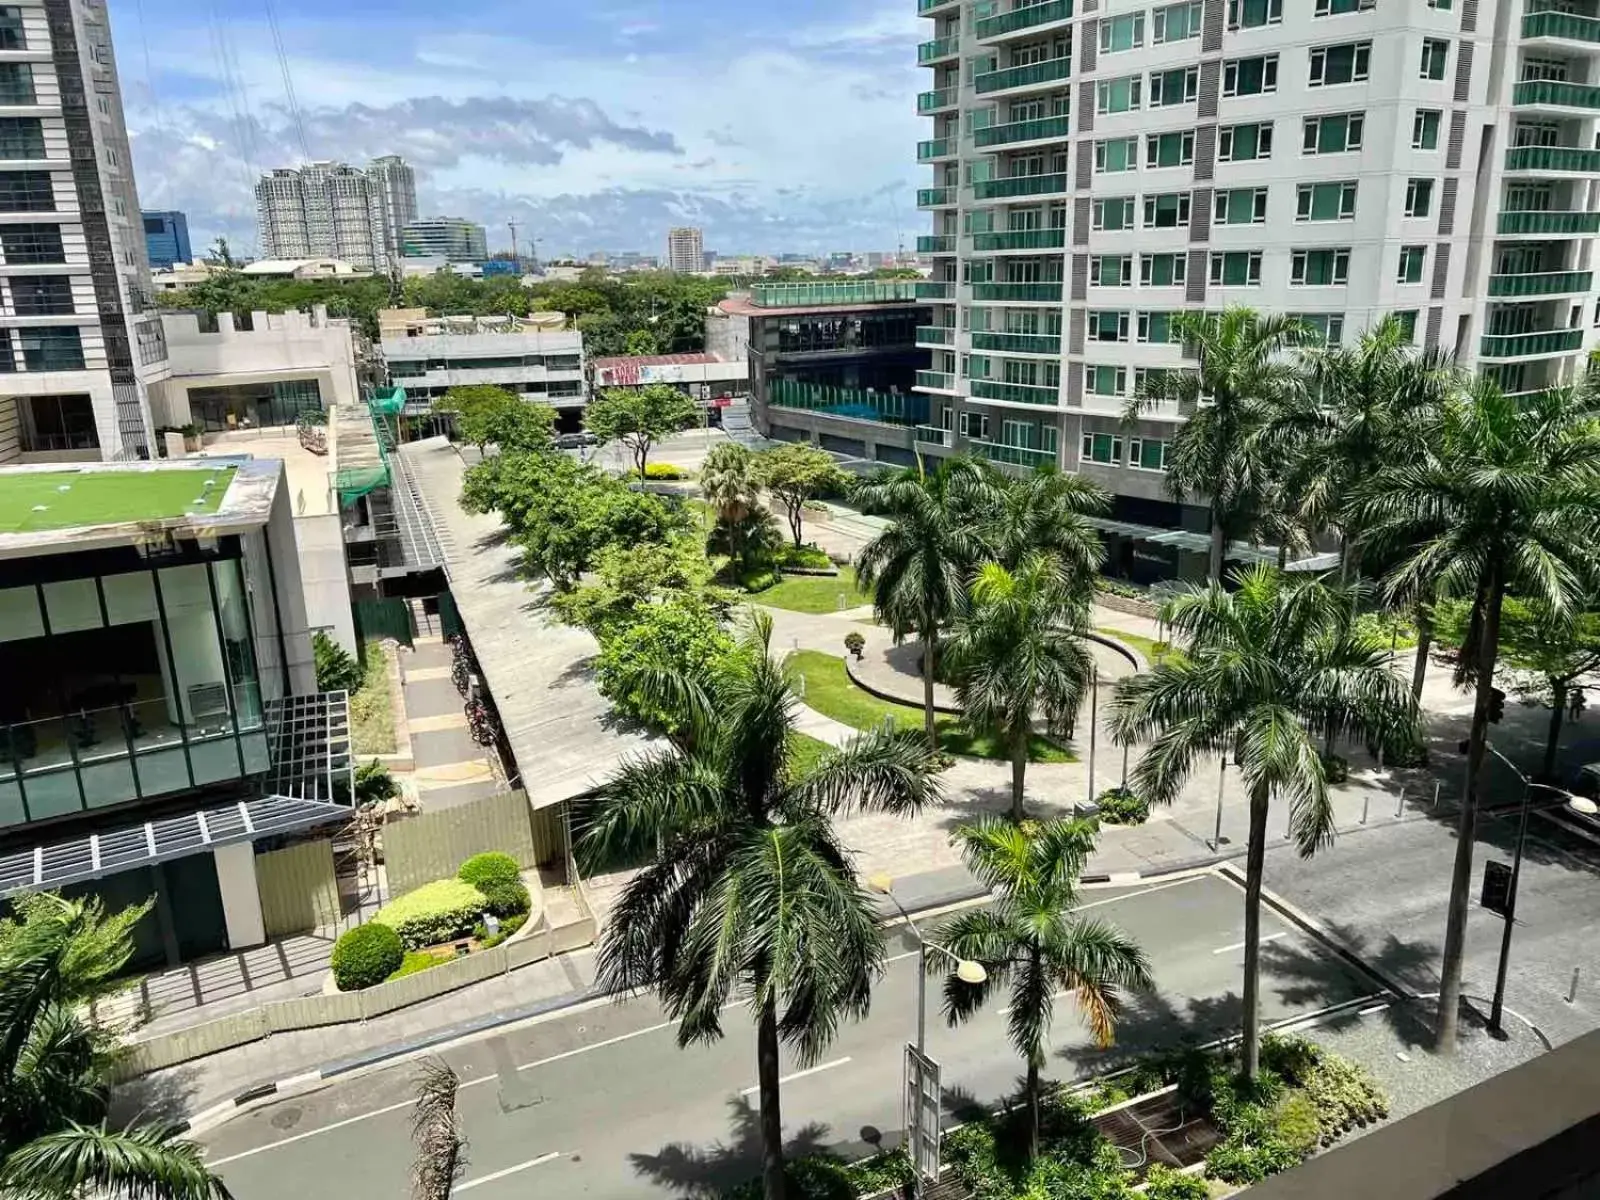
(106, 497)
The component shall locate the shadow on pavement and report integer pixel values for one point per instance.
(1153, 1021)
(709, 1171)
(165, 1096)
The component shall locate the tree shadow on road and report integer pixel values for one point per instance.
(1153, 1021)
(707, 1172)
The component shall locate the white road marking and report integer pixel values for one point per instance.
(827, 1066)
(1376, 1008)
(612, 1041)
(1271, 937)
(532, 1162)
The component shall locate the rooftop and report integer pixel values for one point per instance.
(654, 360)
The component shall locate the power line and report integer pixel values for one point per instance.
(288, 80)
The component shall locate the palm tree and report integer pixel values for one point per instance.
(54, 1141)
(1030, 940)
(1266, 670)
(1044, 511)
(1507, 499)
(436, 1131)
(750, 893)
(728, 483)
(1243, 375)
(917, 568)
(1017, 654)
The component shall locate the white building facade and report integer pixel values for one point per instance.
(430, 356)
(332, 210)
(454, 239)
(685, 250)
(80, 342)
(1102, 165)
(397, 197)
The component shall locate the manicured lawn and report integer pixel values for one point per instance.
(371, 713)
(828, 689)
(1153, 650)
(804, 751)
(69, 498)
(814, 593)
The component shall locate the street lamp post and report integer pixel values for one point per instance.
(966, 970)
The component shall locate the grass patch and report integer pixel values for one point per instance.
(804, 752)
(830, 691)
(107, 497)
(371, 707)
(1153, 650)
(414, 961)
(816, 594)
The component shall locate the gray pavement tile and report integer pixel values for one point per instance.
(432, 698)
(458, 794)
(437, 747)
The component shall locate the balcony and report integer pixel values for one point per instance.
(1559, 160)
(1556, 224)
(937, 148)
(1018, 343)
(936, 100)
(1541, 283)
(938, 197)
(1023, 18)
(1026, 185)
(1567, 27)
(1019, 293)
(935, 335)
(1530, 345)
(1044, 128)
(938, 243)
(886, 408)
(934, 437)
(928, 6)
(936, 289)
(1545, 93)
(942, 381)
(938, 49)
(1014, 456)
(1014, 393)
(1032, 75)
(1020, 239)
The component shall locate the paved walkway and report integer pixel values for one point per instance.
(451, 768)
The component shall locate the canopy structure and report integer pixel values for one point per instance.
(1200, 543)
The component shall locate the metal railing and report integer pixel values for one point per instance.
(945, 47)
(1019, 185)
(1018, 393)
(1042, 293)
(1024, 17)
(1022, 131)
(1540, 283)
(1553, 24)
(1564, 159)
(1018, 343)
(935, 335)
(1549, 221)
(1047, 71)
(1020, 239)
(1554, 94)
(1530, 345)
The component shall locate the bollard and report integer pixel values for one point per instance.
(1572, 991)
(1366, 803)
(1436, 786)
(1400, 805)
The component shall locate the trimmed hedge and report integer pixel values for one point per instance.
(493, 866)
(506, 899)
(366, 955)
(432, 913)
(1123, 806)
(807, 557)
(418, 960)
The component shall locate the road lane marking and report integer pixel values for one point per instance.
(827, 1066)
(1271, 937)
(611, 1041)
(1376, 1008)
(483, 1179)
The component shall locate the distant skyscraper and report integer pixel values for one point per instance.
(453, 238)
(330, 210)
(166, 238)
(684, 249)
(397, 195)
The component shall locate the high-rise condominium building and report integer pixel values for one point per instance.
(166, 239)
(331, 210)
(80, 342)
(685, 251)
(1100, 166)
(454, 239)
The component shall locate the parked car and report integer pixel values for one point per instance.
(575, 441)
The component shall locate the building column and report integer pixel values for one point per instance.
(241, 898)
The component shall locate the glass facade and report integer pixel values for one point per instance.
(126, 685)
(243, 405)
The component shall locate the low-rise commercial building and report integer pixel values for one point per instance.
(704, 376)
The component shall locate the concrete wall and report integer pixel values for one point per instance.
(279, 346)
(324, 577)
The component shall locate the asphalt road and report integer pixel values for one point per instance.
(602, 1102)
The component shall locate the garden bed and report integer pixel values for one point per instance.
(372, 704)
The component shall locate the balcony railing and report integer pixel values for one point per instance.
(1018, 343)
(801, 294)
(887, 408)
(937, 148)
(1022, 131)
(938, 243)
(1514, 224)
(935, 197)
(945, 47)
(1568, 26)
(933, 101)
(935, 335)
(1020, 239)
(936, 289)
(1025, 17)
(1048, 71)
(1018, 393)
(1530, 345)
(1016, 456)
(1019, 185)
(926, 6)
(930, 435)
(1562, 159)
(1037, 293)
(943, 380)
(1548, 93)
(1541, 283)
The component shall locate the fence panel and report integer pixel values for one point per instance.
(386, 618)
(299, 891)
(428, 846)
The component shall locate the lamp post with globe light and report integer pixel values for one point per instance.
(967, 970)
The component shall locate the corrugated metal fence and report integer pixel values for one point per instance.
(431, 845)
(299, 892)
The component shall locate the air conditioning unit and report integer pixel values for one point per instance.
(208, 699)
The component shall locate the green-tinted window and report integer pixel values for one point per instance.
(1105, 380)
(1155, 327)
(1425, 129)
(1334, 8)
(1162, 270)
(1236, 268)
(1248, 14)
(1108, 326)
(1328, 328)
(1250, 76)
(1240, 206)
(1169, 149)
(1176, 22)
(1167, 211)
(1419, 197)
(1244, 143)
(1148, 454)
(1408, 322)
(1320, 268)
(1111, 270)
(1178, 86)
(1411, 260)
(1326, 201)
(1118, 154)
(1334, 134)
(1121, 33)
(1435, 52)
(1118, 95)
(1114, 213)
(1102, 448)
(1331, 65)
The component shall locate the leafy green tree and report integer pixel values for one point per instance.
(795, 473)
(917, 568)
(1044, 512)
(337, 669)
(728, 483)
(639, 418)
(676, 635)
(749, 894)
(1017, 654)
(630, 578)
(1031, 940)
(487, 415)
(54, 1140)
(1243, 377)
(1267, 668)
(749, 541)
(1507, 500)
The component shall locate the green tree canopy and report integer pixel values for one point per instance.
(639, 418)
(796, 473)
(487, 415)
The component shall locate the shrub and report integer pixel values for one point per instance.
(663, 471)
(432, 913)
(824, 1177)
(1123, 806)
(337, 668)
(1298, 1123)
(492, 866)
(1164, 1183)
(1344, 1096)
(366, 955)
(417, 960)
(808, 557)
(1241, 1160)
(854, 643)
(374, 784)
(510, 925)
(1336, 767)
(506, 899)
(758, 580)
(1121, 587)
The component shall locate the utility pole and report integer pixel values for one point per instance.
(515, 257)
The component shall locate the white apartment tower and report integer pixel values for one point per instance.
(331, 210)
(81, 346)
(397, 197)
(685, 250)
(1101, 164)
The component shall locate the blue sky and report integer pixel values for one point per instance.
(595, 124)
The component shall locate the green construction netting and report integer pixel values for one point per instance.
(390, 401)
(361, 475)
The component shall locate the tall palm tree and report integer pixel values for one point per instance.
(436, 1132)
(54, 1142)
(1267, 670)
(1017, 654)
(1507, 499)
(917, 569)
(1044, 511)
(728, 483)
(750, 893)
(1031, 941)
(1243, 374)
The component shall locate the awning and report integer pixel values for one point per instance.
(93, 855)
(1200, 543)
